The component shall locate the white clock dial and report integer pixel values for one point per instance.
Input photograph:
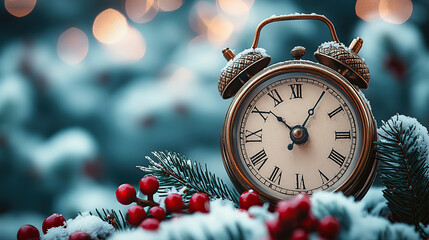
(297, 133)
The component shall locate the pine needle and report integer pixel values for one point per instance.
(175, 171)
(404, 169)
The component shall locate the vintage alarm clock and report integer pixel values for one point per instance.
(298, 126)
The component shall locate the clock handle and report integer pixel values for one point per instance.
(294, 17)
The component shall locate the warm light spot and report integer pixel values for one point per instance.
(110, 26)
(367, 9)
(131, 48)
(219, 30)
(235, 7)
(19, 8)
(141, 11)
(169, 5)
(201, 15)
(72, 46)
(395, 11)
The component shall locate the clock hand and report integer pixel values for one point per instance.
(280, 119)
(299, 134)
(311, 110)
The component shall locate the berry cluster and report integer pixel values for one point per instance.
(30, 232)
(136, 214)
(296, 222)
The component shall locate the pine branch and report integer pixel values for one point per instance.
(174, 170)
(116, 220)
(404, 169)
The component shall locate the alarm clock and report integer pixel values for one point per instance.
(298, 126)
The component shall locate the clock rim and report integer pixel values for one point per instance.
(361, 177)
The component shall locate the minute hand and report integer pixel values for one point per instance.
(311, 110)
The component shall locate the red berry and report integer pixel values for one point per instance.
(249, 199)
(199, 203)
(79, 235)
(150, 224)
(149, 185)
(287, 211)
(55, 220)
(28, 232)
(303, 206)
(157, 212)
(310, 224)
(329, 227)
(299, 234)
(126, 194)
(174, 203)
(135, 215)
(275, 228)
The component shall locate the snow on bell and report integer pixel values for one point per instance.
(240, 68)
(345, 60)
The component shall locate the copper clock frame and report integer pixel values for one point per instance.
(361, 177)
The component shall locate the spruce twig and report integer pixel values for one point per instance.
(173, 170)
(113, 218)
(404, 169)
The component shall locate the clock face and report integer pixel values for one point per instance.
(297, 133)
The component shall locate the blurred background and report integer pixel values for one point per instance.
(88, 88)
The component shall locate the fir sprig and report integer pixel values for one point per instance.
(115, 218)
(173, 170)
(402, 151)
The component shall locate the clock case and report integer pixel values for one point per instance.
(338, 63)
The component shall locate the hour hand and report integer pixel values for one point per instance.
(280, 119)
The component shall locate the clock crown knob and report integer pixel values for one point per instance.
(298, 52)
(240, 68)
(345, 60)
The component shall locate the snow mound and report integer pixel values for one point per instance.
(223, 222)
(90, 224)
(354, 218)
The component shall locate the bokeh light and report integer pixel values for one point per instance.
(72, 46)
(201, 15)
(141, 11)
(235, 7)
(367, 9)
(19, 8)
(219, 30)
(395, 11)
(169, 5)
(131, 47)
(110, 26)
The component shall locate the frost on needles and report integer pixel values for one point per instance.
(402, 151)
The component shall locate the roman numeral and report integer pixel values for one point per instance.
(336, 157)
(254, 136)
(296, 91)
(300, 181)
(323, 177)
(276, 97)
(259, 158)
(261, 113)
(276, 175)
(333, 113)
(342, 135)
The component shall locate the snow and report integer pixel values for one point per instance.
(285, 15)
(90, 224)
(422, 141)
(222, 221)
(354, 218)
(261, 51)
(365, 100)
(333, 44)
(70, 146)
